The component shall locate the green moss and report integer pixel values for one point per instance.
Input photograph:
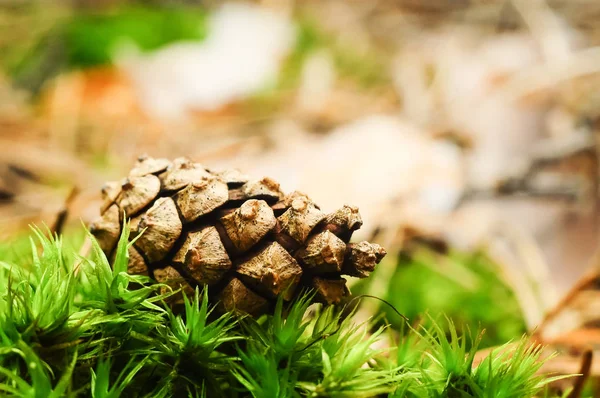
(91, 329)
(463, 286)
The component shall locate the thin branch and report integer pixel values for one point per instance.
(584, 370)
(63, 214)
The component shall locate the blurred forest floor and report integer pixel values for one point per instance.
(456, 127)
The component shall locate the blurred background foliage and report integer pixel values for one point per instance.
(89, 37)
(92, 38)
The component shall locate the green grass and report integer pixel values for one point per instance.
(73, 326)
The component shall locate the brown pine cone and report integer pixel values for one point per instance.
(244, 238)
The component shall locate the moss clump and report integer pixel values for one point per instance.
(73, 326)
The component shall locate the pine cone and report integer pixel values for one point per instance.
(244, 238)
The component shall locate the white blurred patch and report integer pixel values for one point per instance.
(240, 56)
(375, 163)
(451, 80)
(316, 82)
